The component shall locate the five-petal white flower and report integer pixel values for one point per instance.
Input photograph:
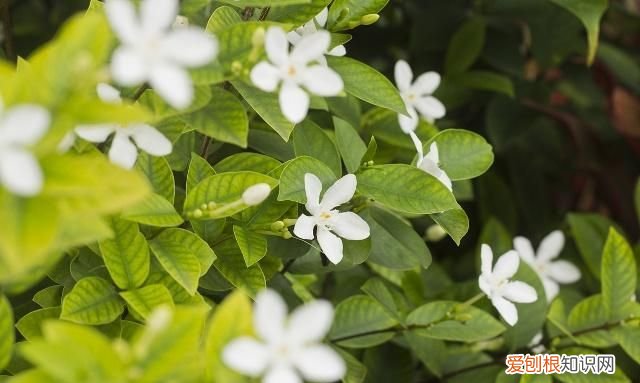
(552, 273)
(291, 346)
(430, 163)
(296, 69)
(328, 219)
(311, 27)
(495, 283)
(123, 152)
(153, 52)
(417, 96)
(20, 127)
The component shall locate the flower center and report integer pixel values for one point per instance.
(292, 71)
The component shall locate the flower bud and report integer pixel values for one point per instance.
(254, 195)
(180, 21)
(197, 213)
(435, 233)
(369, 19)
(277, 226)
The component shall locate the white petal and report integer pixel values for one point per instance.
(322, 81)
(486, 257)
(66, 143)
(551, 246)
(409, 123)
(430, 107)
(265, 76)
(95, 133)
(525, 249)
(281, 374)
(403, 75)
(158, 15)
(322, 17)
(294, 102)
(485, 286)
(123, 19)
(123, 152)
(563, 271)
(320, 363)
(330, 244)
(20, 172)
(312, 188)
(277, 46)
(304, 227)
(310, 322)
(418, 144)
(173, 84)
(190, 46)
(434, 153)
(24, 124)
(340, 192)
(247, 356)
(311, 47)
(107, 93)
(520, 292)
(506, 265)
(128, 67)
(506, 309)
(444, 178)
(551, 288)
(269, 316)
(339, 51)
(426, 83)
(351, 226)
(150, 140)
(294, 36)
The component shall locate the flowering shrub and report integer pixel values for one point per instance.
(221, 191)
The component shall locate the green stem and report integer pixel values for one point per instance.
(7, 30)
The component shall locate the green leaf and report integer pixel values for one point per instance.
(292, 178)
(589, 314)
(163, 111)
(222, 18)
(249, 161)
(92, 301)
(589, 12)
(360, 314)
(367, 84)
(455, 222)
(465, 46)
(126, 255)
(49, 297)
(297, 14)
(224, 120)
(252, 245)
(267, 106)
(191, 242)
(232, 266)
(350, 145)
(623, 65)
(384, 126)
(394, 243)
(311, 140)
(356, 371)
(178, 260)
(629, 340)
(453, 321)
(484, 80)
(463, 154)
(376, 289)
(619, 276)
(159, 174)
(405, 188)
(30, 325)
(263, 3)
(143, 300)
(155, 210)
(590, 232)
(636, 198)
(7, 335)
(344, 13)
(199, 169)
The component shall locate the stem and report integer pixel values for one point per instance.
(205, 147)
(472, 300)
(264, 13)
(7, 30)
(139, 92)
(247, 13)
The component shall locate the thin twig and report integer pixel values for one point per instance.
(7, 30)
(264, 13)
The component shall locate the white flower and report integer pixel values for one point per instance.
(255, 194)
(324, 215)
(417, 96)
(152, 52)
(290, 346)
(500, 290)
(535, 345)
(311, 27)
(296, 69)
(431, 162)
(123, 152)
(550, 272)
(20, 127)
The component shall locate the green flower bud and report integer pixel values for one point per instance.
(369, 19)
(277, 226)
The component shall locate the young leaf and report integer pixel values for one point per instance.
(155, 210)
(199, 169)
(252, 245)
(222, 18)
(143, 300)
(159, 174)
(589, 12)
(92, 301)
(619, 276)
(126, 255)
(345, 12)
(191, 243)
(178, 261)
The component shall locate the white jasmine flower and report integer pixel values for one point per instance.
(500, 290)
(21, 126)
(255, 194)
(290, 348)
(153, 52)
(123, 152)
(552, 273)
(430, 163)
(328, 219)
(535, 345)
(296, 69)
(311, 27)
(417, 96)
